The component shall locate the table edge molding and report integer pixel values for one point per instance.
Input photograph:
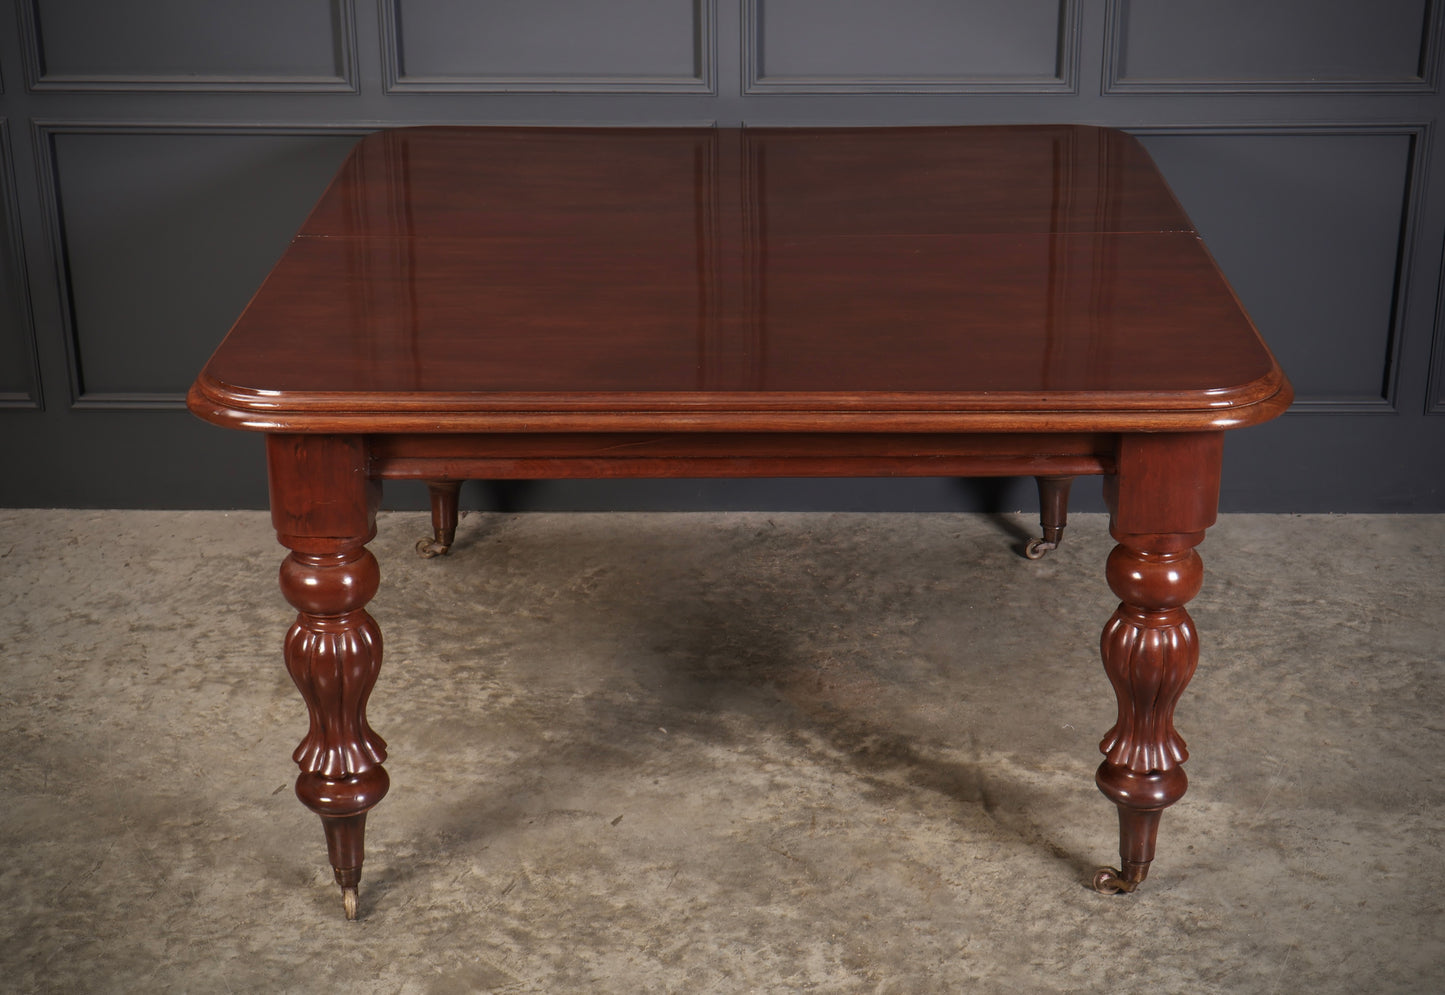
(389, 412)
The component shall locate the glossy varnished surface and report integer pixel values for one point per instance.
(545, 279)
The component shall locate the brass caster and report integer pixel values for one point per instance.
(1108, 881)
(349, 900)
(1037, 549)
(429, 547)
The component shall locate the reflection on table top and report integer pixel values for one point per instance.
(945, 268)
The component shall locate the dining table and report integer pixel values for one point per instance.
(538, 303)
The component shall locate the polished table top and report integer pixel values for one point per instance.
(935, 279)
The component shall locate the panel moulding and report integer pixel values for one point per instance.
(1064, 80)
(1425, 81)
(31, 399)
(37, 79)
(704, 81)
(1435, 401)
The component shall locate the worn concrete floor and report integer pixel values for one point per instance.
(719, 753)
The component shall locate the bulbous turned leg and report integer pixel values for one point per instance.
(1150, 651)
(445, 498)
(333, 653)
(1053, 515)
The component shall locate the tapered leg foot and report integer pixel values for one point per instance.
(345, 834)
(445, 498)
(1053, 515)
(1141, 799)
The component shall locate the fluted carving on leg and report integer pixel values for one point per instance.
(1150, 650)
(334, 662)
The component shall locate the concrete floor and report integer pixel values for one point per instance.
(719, 753)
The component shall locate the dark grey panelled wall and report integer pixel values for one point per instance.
(156, 156)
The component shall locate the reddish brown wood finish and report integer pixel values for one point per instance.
(590, 303)
(1161, 499)
(323, 504)
(525, 280)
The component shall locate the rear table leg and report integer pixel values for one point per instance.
(1053, 515)
(444, 500)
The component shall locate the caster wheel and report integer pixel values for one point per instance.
(429, 547)
(1037, 549)
(1108, 881)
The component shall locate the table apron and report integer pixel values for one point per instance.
(555, 456)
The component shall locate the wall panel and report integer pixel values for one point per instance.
(189, 44)
(19, 379)
(1435, 403)
(861, 46)
(1283, 45)
(559, 46)
(1311, 226)
(161, 236)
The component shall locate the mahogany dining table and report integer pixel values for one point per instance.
(539, 303)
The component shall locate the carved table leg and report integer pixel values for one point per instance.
(324, 511)
(1053, 515)
(444, 502)
(1161, 501)
(333, 652)
(1150, 651)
